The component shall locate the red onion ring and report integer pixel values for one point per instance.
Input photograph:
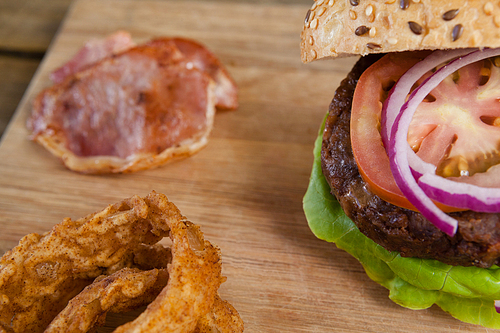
(397, 95)
(446, 191)
(409, 187)
(398, 148)
(451, 192)
(461, 195)
(420, 170)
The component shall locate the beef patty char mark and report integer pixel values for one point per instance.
(477, 241)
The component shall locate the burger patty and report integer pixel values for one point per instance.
(477, 241)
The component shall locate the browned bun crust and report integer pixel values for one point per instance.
(336, 28)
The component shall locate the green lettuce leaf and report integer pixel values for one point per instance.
(467, 293)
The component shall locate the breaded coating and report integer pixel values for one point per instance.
(194, 278)
(123, 291)
(223, 318)
(111, 261)
(40, 275)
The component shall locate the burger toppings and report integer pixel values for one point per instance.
(368, 141)
(395, 228)
(446, 130)
(449, 192)
(411, 148)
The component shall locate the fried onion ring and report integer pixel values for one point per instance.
(127, 290)
(41, 274)
(123, 291)
(223, 318)
(194, 278)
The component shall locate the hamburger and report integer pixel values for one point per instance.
(405, 175)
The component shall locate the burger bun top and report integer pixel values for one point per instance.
(339, 28)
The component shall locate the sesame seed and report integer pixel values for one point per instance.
(315, 4)
(488, 8)
(361, 30)
(387, 21)
(496, 20)
(392, 40)
(320, 2)
(313, 54)
(371, 18)
(354, 2)
(369, 10)
(314, 24)
(373, 32)
(416, 1)
(390, 2)
(311, 17)
(450, 15)
(353, 15)
(457, 32)
(321, 11)
(415, 28)
(307, 16)
(311, 40)
(477, 38)
(404, 4)
(373, 46)
(330, 3)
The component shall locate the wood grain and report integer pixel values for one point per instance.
(29, 25)
(16, 74)
(26, 30)
(245, 188)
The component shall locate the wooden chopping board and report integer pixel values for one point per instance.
(245, 188)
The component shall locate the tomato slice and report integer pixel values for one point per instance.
(369, 152)
(465, 113)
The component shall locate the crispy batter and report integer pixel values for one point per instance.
(122, 291)
(194, 278)
(119, 246)
(223, 318)
(147, 257)
(189, 300)
(127, 290)
(41, 274)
